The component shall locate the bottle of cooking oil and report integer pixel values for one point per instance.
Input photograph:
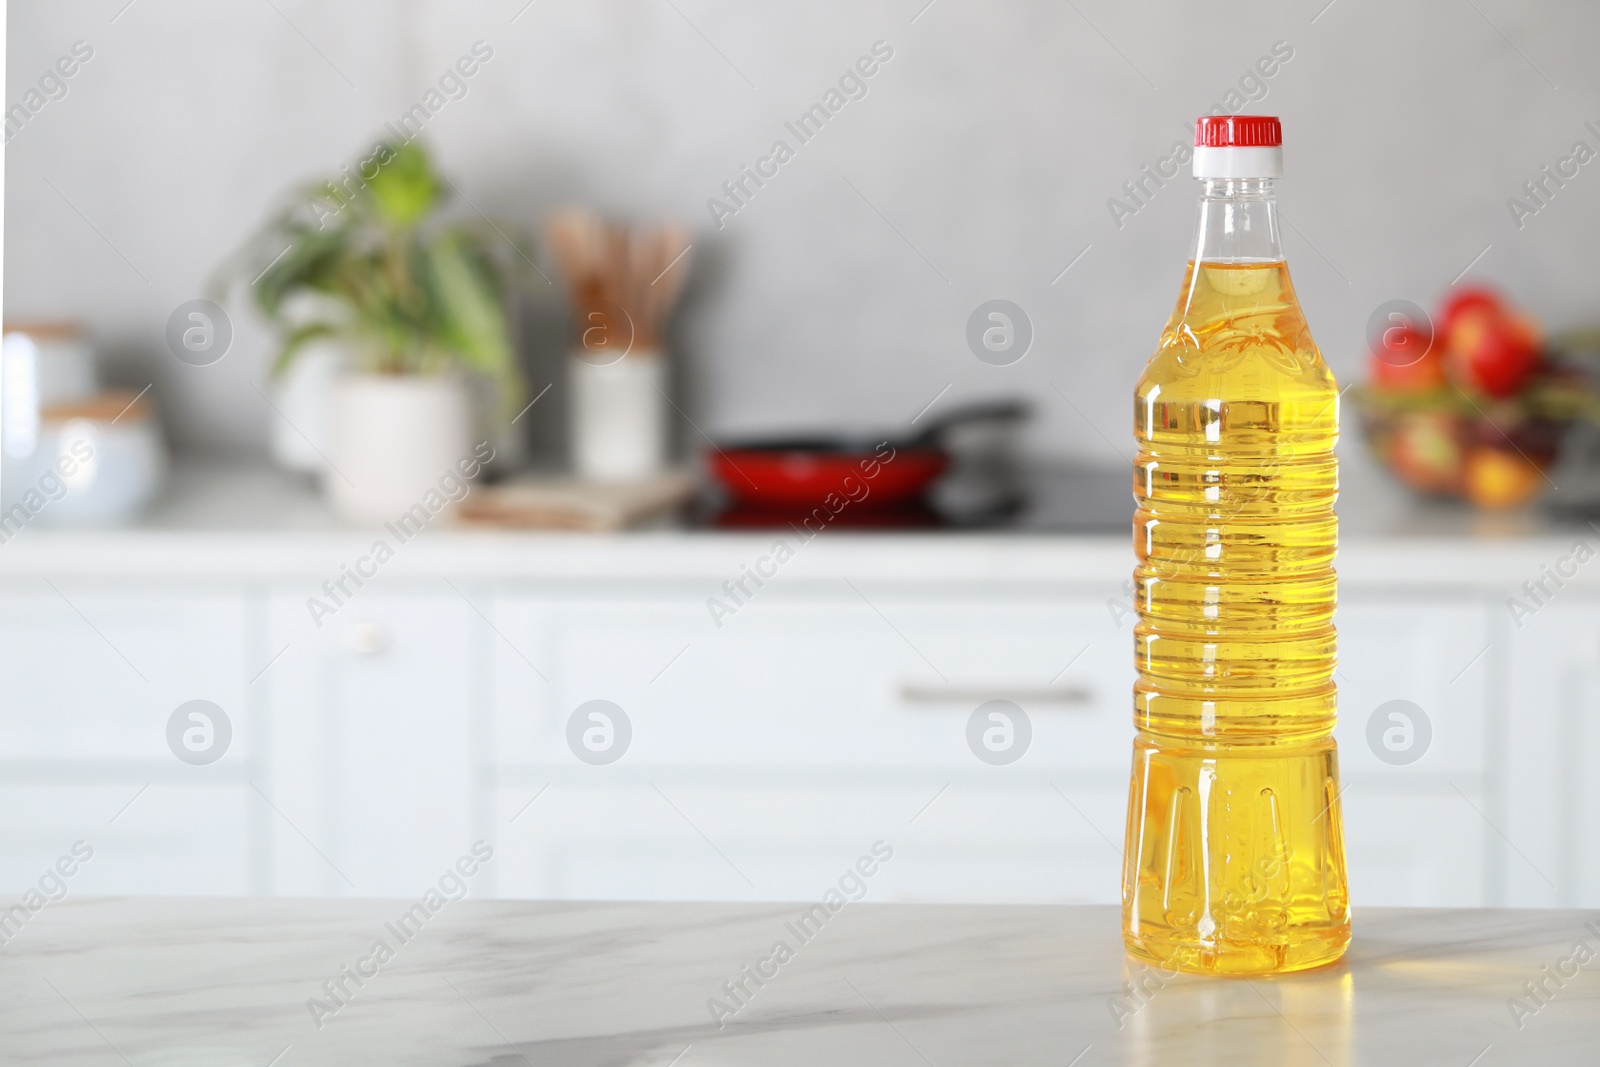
(1235, 855)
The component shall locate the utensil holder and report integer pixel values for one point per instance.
(619, 422)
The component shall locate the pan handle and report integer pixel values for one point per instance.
(1011, 410)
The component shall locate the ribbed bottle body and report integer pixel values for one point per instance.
(1235, 859)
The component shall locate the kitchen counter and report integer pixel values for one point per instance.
(243, 521)
(227, 982)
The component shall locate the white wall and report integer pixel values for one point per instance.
(991, 141)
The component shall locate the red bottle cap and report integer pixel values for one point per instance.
(1238, 131)
(1238, 146)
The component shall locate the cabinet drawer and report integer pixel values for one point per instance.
(832, 681)
(171, 840)
(94, 674)
(967, 841)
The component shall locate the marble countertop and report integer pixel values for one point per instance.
(500, 984)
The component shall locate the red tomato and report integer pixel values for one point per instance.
(1407, 360)
(1469, 298)
(1426, 451)
(1493, 350)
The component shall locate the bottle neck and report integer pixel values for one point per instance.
(1238, 222)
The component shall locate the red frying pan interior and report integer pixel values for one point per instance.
(794, 480)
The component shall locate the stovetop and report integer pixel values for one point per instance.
(1080, 500)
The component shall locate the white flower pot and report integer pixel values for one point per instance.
(619, 419)
(394, 439)
(303, 395)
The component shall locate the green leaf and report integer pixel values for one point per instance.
(405, 188)
(471, 315)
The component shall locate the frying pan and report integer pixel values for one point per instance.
(800, 473)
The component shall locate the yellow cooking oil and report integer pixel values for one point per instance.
(1235, 857)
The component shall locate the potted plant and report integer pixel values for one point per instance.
(416, 302)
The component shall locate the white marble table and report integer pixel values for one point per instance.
(226, 982)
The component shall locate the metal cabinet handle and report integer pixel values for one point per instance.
(913, 693)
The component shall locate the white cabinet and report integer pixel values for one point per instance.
(766, 837)
(93, 672)
(765, 754)
(770, 750)
(1552, 736)
(1417, 824)
(166, 838)
(835, 682)
(372, 741)
(816, 720)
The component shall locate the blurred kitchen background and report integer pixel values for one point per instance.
(992, 142)
(757, 734)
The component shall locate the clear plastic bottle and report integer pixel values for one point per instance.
(1235, 856)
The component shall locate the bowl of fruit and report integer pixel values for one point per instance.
(1473, 403)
